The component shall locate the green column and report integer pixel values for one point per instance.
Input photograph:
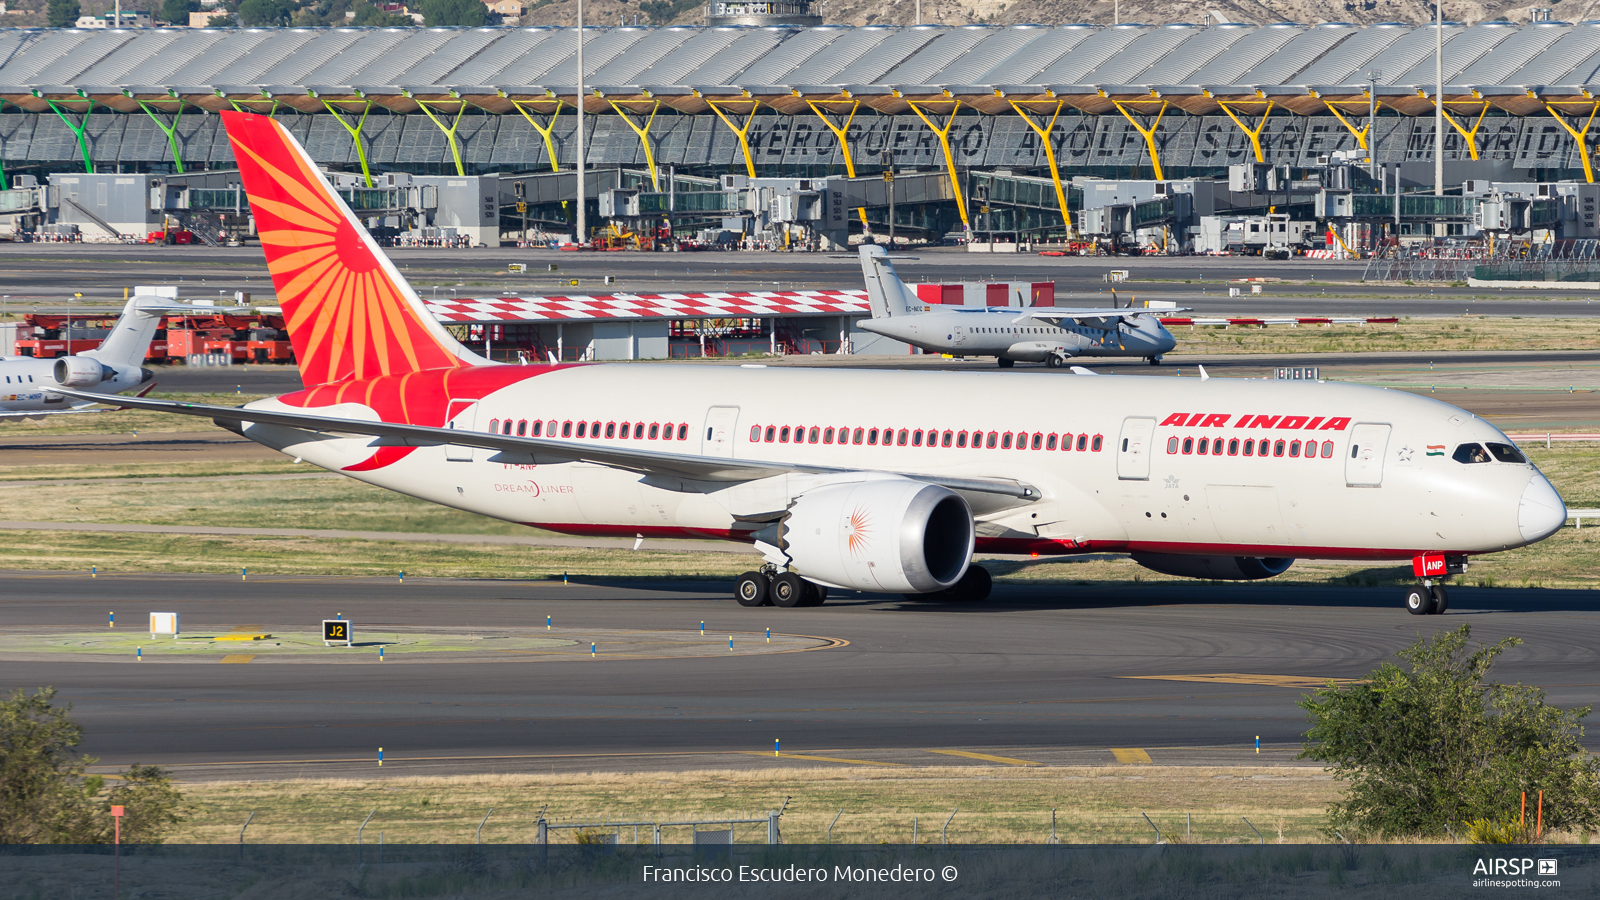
(77, 131)
(355, 133)
(449, 133)
(171, 131)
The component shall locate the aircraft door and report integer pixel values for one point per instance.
(463, 416)
(1363, 467)
(1133, 448)
(720, 424)
(959, 336)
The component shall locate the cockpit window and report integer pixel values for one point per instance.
(1470, 453)
(1507, 453)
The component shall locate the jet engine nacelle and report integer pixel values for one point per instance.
(892, 535)
(1218, 568)
(81, 371)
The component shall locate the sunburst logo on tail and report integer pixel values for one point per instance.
(350, 314)
(856, 530)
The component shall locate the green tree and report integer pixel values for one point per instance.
(371, 16)
(469, 13)
(63, 13)
(45, 796)
(177, 11)
(1428, 748)
(265, 12)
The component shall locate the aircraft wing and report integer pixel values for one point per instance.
(40, 413)
(692, 467)
(1056, 312)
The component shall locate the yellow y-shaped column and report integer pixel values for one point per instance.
(1581, 136)
(544, 131)
(1149, 134)
(1255, 134)
(944, 143)
(743, 131)
(842, 132)
(1469, 135)
(449, 133)
(1361, 135)
(1043, 131)
(643, 133)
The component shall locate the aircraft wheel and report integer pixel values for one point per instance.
(1419, 600)
(751, 589)
(1441, 600)
(816, 595)
(788, 590)
(1153, 360)
(973, 586)
(1052, 361)
(1006, 363)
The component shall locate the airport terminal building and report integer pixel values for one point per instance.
(981, 121)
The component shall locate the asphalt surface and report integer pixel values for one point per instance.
(43, 276)
(1051, 675)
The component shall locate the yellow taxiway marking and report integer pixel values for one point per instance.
(1304, 682)
(237, 658)
(1131, 756)
(1004, 760)
(242, 636)
(832, 759)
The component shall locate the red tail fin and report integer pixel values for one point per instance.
(350, 314)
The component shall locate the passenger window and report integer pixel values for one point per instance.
(994, 437)
(1277, 449)
(611, 431)
(1099, 441)
(916, 437)
(827, 435)
(1201, 445)
(522, 427)
(1038, 440)
(855, 437)
(772, 433)
(1066, 441)
(783, 435)
(872, 435)
(1172, 445)
(1188, 446)
(566, 429)
(710, 430)
(1005, 441)
(948, 437)
(551, 430)
(1470, 454)
(582, 426)
(655, 431)
(1233, 447)
(638, 430)
(1249, 448)
(683, 432)
(494, 426)
(903, 437)
(1507, 453)
(538, 427)
(755, 432)
(1327, 449)
(1294, 448)
(1050, 442)
(961, 439)
(816, 435)
(1083, 443)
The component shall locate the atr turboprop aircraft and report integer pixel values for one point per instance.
(28, 385)
(1051, 335)
(865, 480)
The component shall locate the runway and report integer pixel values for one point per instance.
(1037, 675)
(44, 275)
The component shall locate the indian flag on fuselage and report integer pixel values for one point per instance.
(350, 314)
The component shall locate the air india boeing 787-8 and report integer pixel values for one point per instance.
(861, 480)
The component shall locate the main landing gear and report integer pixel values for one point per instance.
(1005, 363)
(1427, 599)
(1153, 360)
(972, 588)
(770, 587)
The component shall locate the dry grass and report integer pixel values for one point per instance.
(1429, 335)
(997, 805)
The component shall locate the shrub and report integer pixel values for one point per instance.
(1438, 744)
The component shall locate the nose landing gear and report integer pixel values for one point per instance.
(1427, 599)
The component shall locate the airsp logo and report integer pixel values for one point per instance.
(1547, 867)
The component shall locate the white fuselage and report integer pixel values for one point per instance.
(1379, 486)
(25, 384)
(1008, 333)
